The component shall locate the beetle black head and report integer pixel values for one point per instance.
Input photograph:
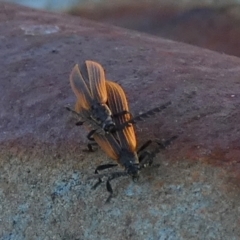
(133, 171)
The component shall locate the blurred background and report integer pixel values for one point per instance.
(212, 24)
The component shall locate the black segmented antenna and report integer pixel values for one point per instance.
(143, 116)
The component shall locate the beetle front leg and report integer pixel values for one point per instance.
(100, 168)
(109, 186)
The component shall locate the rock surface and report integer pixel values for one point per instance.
(192, 192)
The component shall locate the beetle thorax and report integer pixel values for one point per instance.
(102, 115)
(129, 160)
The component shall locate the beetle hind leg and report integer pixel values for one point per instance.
(90, 147)
(79, 123)
(90, 134)
(110, 190)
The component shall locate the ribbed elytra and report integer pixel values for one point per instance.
(121, 146)
(90, 86)
(103, 108)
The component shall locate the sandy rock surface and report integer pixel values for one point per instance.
(192, 191)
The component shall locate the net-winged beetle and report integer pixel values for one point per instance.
(121, 146)
(91, 89)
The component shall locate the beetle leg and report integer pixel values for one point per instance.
(146, 159)
(70, 110)
(100, 168)
(79, 123)
(145, 145)
(108, 184)
(89, 136)
(110, 190)
(90, 147)
(104, 166)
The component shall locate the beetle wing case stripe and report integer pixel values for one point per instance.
(80, 88)
(93, 73)
(108, 144)
(78, 107)
(118, 103)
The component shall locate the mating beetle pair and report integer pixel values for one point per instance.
(103, 109)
